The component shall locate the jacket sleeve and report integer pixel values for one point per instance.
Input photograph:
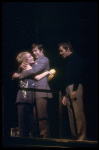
(41, 65)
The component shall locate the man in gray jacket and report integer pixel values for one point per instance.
(40, 65)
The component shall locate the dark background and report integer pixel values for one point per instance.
(24, 23)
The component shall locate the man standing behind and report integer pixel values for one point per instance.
(72, 91)
(40, 65)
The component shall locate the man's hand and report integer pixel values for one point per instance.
(23, 65)
(15, 75)
(28, 67)
(64, 101)
(73, 95)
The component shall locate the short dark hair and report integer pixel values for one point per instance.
(39, 46)
(66, 46)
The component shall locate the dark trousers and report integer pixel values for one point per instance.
(25, 112)
(42, 115)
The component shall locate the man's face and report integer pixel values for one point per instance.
(64, 53)
(36, 52)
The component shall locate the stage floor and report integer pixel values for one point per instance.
(17, 142)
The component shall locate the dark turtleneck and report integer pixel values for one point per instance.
(72, 65)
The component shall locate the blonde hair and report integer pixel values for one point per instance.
(22, 57)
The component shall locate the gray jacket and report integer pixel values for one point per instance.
(40, 65)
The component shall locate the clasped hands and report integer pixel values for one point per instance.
(72, 97)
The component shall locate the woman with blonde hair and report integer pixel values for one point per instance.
(25, 99)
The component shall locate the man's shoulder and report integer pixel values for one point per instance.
(43, 56)
(77, 59)
(44, 59)
(77, 56)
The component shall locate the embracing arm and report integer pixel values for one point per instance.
(37, 77)
(36, 69)
(42, 75)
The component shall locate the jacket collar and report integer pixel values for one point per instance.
(39, 58)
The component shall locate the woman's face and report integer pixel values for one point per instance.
(30, 58)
